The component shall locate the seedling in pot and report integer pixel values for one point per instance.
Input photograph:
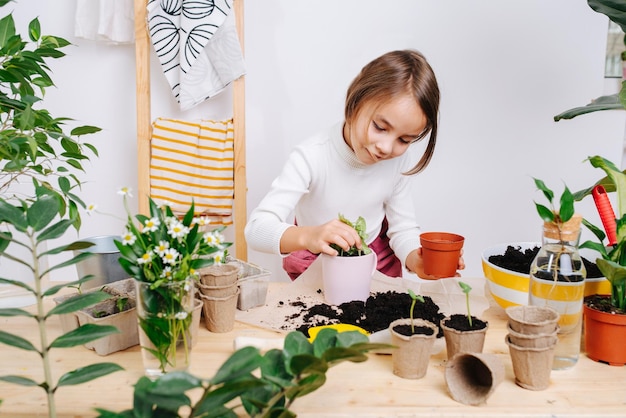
(467, 289)
(360, 228)
(414, 299)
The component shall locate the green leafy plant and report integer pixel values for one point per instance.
(261, 385)
(33, 144)
(551, 214)
(361, 229)
(414, 299)
(467, 289)
(612, 263)
(162, 249)
(616, 12)
(35, 224)
(35, 150)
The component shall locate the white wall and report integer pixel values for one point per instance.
(504, 68)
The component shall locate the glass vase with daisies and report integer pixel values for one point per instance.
(163, 253)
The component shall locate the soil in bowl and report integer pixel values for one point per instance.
(518, 260)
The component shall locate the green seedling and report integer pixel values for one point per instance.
(414, 299)
(467, 289)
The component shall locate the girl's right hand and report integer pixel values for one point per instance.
(317, 239)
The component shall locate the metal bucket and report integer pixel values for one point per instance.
(103, 264)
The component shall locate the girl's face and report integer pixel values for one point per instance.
(381, 131)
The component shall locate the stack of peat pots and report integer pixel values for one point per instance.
(219, 291)
(532, 337)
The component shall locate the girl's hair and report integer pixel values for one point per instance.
(393, 74)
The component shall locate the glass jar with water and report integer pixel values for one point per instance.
(557, 280)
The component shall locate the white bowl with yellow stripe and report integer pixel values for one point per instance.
(510, 288)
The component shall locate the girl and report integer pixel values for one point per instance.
(359, 167)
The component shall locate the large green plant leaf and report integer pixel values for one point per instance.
(16, 341)
(83, 334)
(87, 373)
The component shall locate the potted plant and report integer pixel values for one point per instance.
(414, 340)
(464, 333)
(348, 276)
(263, 385)
(164, 255)
(38, 153)
(605, 315)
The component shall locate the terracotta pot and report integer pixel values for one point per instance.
(441, 252)
(472, 377)
(532, 366)
(411, 356)
(458, 341)
(605, 336)
(347, 278)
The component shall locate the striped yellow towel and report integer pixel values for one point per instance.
(193, 160)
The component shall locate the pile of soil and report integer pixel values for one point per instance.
(375, 314)
(518, 260)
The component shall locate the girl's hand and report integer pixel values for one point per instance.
(415, 263)
(317, 239)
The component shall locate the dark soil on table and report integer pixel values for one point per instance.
(460, 323)
(373, 315)
(518, 260)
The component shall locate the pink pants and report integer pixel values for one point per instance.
(298, 261)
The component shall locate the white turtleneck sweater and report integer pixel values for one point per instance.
(323, 178)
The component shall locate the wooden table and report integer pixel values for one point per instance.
(352, 390)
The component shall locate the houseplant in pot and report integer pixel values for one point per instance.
(605, 315)
(414, 340)
(39, 160)
(164, 255)
(464, 333)
(347, 276)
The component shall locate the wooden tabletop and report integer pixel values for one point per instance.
(352, 390)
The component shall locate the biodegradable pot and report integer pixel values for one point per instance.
(219, 275)
(347, 278)
(411, 356)
(463, 341)
(472, 377)
(219, 312)
(441, 252)
(218, 291)
(105, 313)
(527, 319)
(532, 366)
(605, 336)
(533, 340)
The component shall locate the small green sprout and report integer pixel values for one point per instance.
(121, 304)
(467, 289)
(414, 298)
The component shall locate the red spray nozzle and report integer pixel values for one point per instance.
(607, 216)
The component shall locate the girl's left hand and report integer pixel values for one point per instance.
(415, 263)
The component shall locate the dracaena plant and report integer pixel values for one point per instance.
(360, 226)
(248, 382)
(612, 263)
